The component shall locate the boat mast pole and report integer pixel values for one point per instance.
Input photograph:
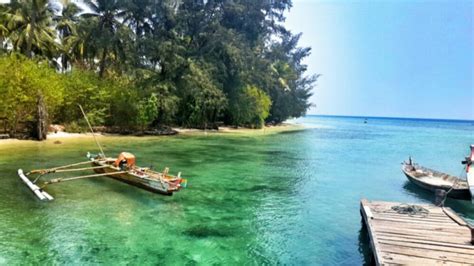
(90, 127)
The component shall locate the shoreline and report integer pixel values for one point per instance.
(284, 127)
(267, 130)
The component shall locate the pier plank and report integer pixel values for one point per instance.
(428, 237)
(438, 237)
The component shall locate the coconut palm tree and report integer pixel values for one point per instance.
(110, 31)
(137, 16)
(66, 19)
(81, 46)
(29, 23)
(4, 32)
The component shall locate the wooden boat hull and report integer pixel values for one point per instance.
(456, 193)
(154, 186)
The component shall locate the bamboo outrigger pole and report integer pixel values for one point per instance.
(57, 180)
(90, 127)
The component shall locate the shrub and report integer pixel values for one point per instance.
(92, 93)
(252, 107)
(147, 111)
(22, 80)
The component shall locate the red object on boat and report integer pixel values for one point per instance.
(130, 158)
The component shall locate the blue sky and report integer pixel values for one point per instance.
(389, 58)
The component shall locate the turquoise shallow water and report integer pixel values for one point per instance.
(290, 198)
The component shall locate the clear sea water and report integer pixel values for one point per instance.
(289, 198)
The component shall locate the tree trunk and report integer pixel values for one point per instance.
(64, 62)
(41, 119)
(102, 63)
(29, 41)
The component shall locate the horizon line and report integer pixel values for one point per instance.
(394, 117)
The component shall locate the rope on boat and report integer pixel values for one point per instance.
(57, 180)
(410, 209)
(36, 179)
(446, 195)
(441, 203)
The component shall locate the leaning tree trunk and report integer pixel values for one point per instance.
(41, 119)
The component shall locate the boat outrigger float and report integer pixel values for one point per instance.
(122, 168)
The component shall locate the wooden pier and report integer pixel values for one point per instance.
(432, 235)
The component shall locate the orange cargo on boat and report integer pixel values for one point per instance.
(130, 158)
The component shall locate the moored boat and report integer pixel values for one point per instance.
(432, 180)
(123, 168)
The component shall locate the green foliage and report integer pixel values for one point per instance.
(144, 63)
(21, 81)
(167, 102)
(291, 89)
(252, 108)
(91, 92)
(123, 109)
(66, 26)
(147, 111)
(203, 101)
(29, 26)
(75, 127)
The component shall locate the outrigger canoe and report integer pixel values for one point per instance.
(122, 168)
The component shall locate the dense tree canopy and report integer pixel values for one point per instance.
(194, 62)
